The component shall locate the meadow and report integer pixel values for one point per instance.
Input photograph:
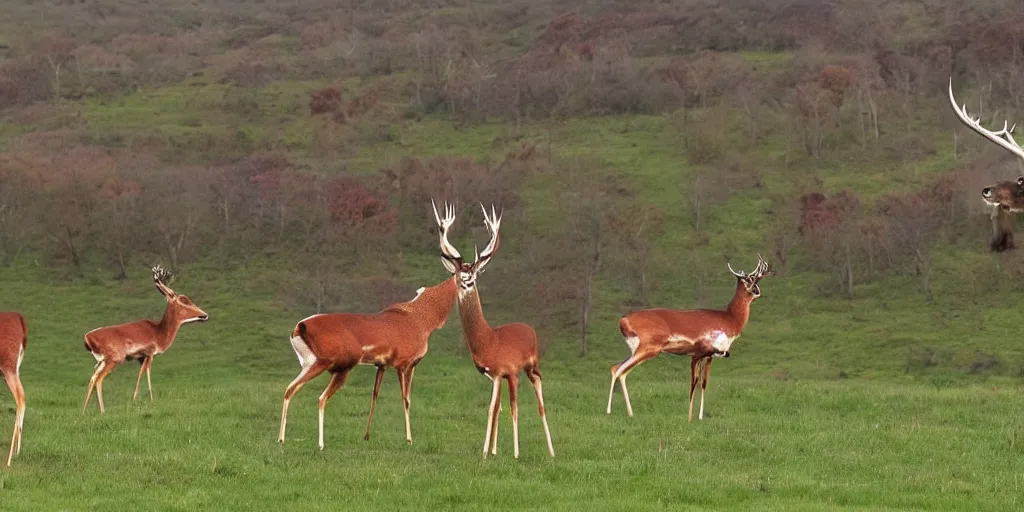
(880, 440)
(282, 157)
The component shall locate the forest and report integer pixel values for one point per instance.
(281, 157)
(312, 136)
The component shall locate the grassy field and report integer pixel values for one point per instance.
(890, 399)
(772, 439)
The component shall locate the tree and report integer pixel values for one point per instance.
(56, 51)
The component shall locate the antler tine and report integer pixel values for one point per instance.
(739, 274)
(493, 223)
(162, 278)
(433, 206)
(448, 251)
(762, 268)
(1003, 138)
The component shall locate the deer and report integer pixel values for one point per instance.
(395, 337)
(1002, 197)
(498, 352)
(13, 340)
(140, 340)
(702, 334)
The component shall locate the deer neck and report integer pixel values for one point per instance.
(478, 332)
(435, 303)
(739, 307)
(168, 327)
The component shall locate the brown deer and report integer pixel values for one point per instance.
(140, 340)
(13, 340)
(1004, 197)
(702, 334)
(395, 337)
(500, 352)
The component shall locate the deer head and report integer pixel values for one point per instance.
(184, 308)
(749, 281)
(1003, 196)
(450, 257)
(1008, 195)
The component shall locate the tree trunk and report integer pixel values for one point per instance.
(70, 243)
(585, 313)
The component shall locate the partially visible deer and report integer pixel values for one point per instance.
(13, 340)
(395, 337)
(140, 340)
(500, 352)
(702, 334)
(1004, 197)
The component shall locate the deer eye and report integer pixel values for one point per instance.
(186, 301)
(1020, 181)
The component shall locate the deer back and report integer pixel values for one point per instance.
(13, 337)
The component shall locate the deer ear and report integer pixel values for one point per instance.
(449, 266)
(481, 265)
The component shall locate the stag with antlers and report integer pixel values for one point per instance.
(1003, 197)
(499, 352)
(395, 337)
(702, 334)
(140, 340)
(13, 340)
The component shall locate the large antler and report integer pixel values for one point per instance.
(162, 278)
(1003, 137)
(762, 268)
(448, 252)
(493, 223)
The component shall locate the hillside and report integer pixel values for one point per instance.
(282, 157)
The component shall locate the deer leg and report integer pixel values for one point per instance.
(496, 389)
(373, 399)
(704, 385)
(406, 377)
(625, 373)
(534, 375)
(149, 378)
(92, 383)
(107, 368)
(616, 372)
(337, 380)
(513, 404)
(620, 374)
(304, 376)
(138, 381)
(494, 428)
(693, 383)
(14, 383)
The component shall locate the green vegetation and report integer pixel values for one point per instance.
(283, 158)
(771, 439)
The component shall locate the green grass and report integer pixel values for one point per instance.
(869, 403)
(794, 440)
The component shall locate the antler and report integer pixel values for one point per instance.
(448, 251)
(1003, 137)
(162, 278)
(762, 268)
(493, 223)
(741, 274)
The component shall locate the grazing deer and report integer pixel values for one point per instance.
(1003, 197)
(13, 340)
(702, 334)
(499, 352)
(395, 337)
(140, 340)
